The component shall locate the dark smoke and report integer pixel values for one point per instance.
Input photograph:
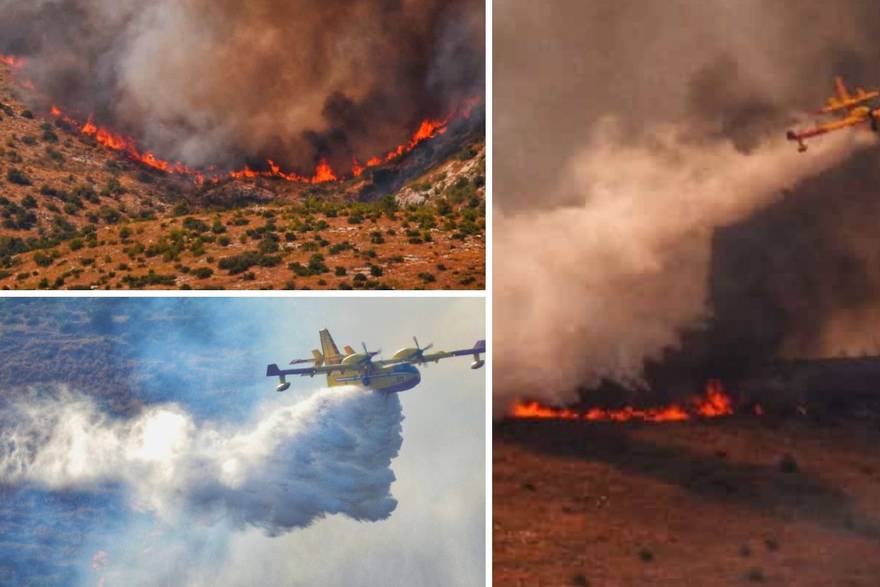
(224, 83)
(688, 240)
(797, 280)
(561, 67)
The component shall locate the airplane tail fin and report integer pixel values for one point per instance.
(319, 358)
(331, 352)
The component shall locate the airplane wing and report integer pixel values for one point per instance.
(830, 127)
(273, 370)
(478, 349)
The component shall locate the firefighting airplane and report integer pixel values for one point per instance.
(854, 111)
(385, 375)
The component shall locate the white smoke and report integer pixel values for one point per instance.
(592, 290)
(293, 464)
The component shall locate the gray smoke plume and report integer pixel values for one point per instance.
(604, 238)
(294, 464)
(222, 82)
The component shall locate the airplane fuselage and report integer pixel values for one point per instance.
(390, 379)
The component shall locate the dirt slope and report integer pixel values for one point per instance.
(74, 214)
(741, 501)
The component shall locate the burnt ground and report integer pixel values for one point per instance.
(739, 501)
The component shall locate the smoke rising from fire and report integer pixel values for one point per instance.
(231, 83)
(592, 291)
(604, 230)
(328, 454)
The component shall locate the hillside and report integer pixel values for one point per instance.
(77, 215)
(736, 501)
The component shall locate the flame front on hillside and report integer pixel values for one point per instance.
(323, 173)
(713, 403)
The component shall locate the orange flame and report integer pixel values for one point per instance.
(12, 61)
(117, 142)
(323, 173)
(714, 403)
(427, 130)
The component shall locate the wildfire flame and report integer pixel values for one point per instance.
(120, 143)
(323, 171)
(12, 61)
(427, 130)
(714, 403)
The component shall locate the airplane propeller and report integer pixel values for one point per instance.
(420, 351)
(370, 353)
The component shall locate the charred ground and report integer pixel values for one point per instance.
(738, 501)
(77, 215)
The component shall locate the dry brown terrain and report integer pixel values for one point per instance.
(74, 214)
(738, 501)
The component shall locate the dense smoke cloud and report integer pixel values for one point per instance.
(328, 454)
(604, 241)
(222, 83)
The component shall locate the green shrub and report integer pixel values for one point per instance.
(15, 176)
(195, 225)
(203, 272)
(42, 259)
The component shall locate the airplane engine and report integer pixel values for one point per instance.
(477, 364)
